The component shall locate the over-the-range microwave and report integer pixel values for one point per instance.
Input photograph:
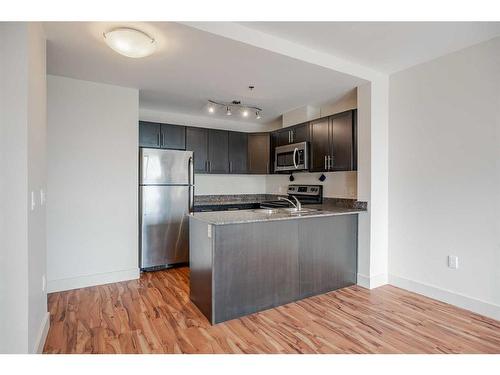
(294, 157)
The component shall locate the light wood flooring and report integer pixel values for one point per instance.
(154, 315)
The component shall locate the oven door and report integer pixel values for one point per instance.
(292, 157)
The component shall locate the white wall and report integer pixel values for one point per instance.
(215, 122)
(23, 300)
(229, 184)
(308, 112)
(336, 185)
(92, 202)
(444, 180)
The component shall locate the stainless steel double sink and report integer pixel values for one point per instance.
(292, 211)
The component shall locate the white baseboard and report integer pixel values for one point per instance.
(371, 282)
(42, 334)
(465, 302)
(92, 280)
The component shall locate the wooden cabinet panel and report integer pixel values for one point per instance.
(342, 141)
(255, 267)
(259, 153)
(149, 134)
(327, 265)
(173, 137)
(197, 141)
(320, 144)
(333, 143)
(238, 152)
(300, 133)
(218, 151)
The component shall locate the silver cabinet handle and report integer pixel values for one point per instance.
(163, 139)
(325, 163)
(158, 139)
(230, 167)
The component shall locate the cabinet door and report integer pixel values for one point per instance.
(197, 141)
(259, 153)
(218, 151)
(173, 137)
(282, 137)
(327, 254)
(149, 134)
(320, 144)
(342, 141)
(238, 151)
(300, 133)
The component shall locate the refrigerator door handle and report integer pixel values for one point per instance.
(191, 184)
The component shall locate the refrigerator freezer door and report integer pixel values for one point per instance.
(164, 167)
(164, 225)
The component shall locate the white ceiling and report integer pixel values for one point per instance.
(384, 46)
(191, 66)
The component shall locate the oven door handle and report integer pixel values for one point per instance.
(295, 150)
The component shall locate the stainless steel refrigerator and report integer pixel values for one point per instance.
(166, 193)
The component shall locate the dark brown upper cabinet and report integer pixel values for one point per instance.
(320, 145)
(238, 152)
(218, 155)
(259, 152)
(173, 137)
(149, 134)
(197, 141)
(333, 143)
(156, 135)
(292, 134)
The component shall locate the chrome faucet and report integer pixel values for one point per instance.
(298, 206)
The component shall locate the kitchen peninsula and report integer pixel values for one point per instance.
(251, 260)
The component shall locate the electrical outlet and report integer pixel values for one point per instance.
(452, 262)
(33, 202)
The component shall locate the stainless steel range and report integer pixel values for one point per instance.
(305, 194)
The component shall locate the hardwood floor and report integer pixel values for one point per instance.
(154, 315)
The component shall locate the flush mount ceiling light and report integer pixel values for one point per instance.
(228, 108)
(130, 42)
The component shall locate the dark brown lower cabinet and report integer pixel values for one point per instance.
(239, 269)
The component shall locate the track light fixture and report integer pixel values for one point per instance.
(244, 110)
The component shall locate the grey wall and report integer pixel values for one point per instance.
(23, 300)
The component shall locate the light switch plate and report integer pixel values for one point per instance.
(452, 262)
(33, 200)
(209, 231)
(42, 197)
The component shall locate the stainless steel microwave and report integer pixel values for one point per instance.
(294, 157)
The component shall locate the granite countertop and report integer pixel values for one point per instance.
(252, 216)
(220, 200)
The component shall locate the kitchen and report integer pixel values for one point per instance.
(174, 219)
(214, 187)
